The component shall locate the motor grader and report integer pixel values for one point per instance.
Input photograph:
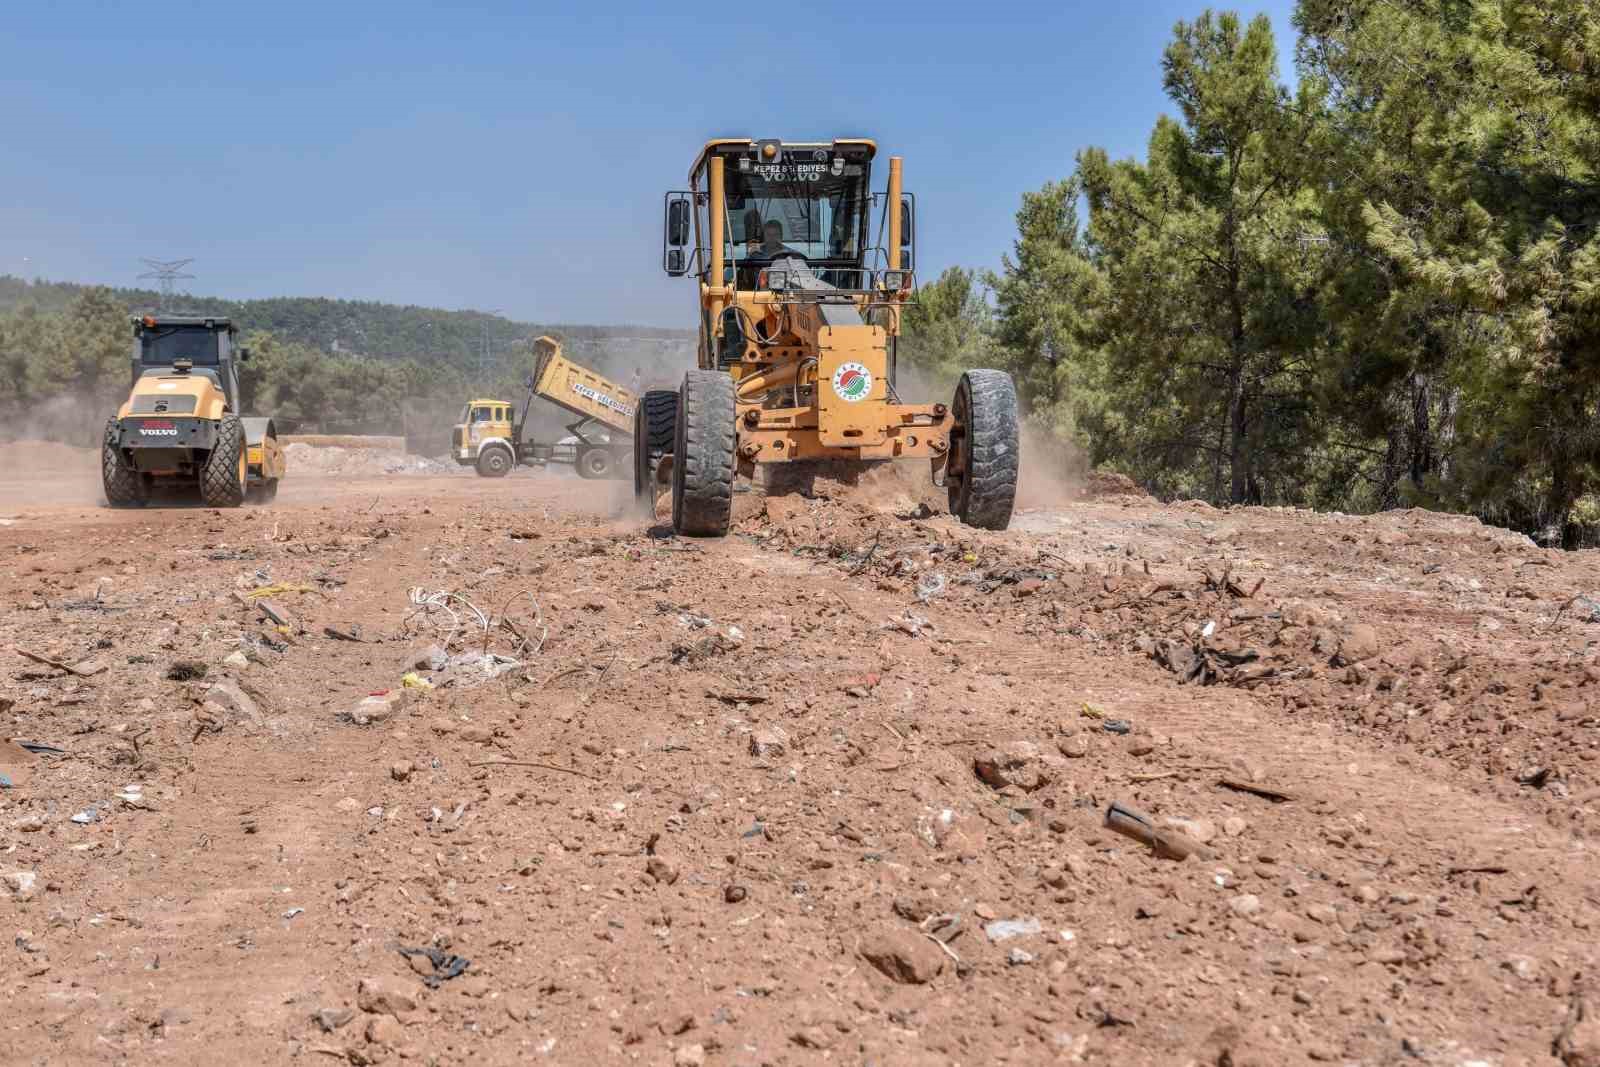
(180, 432)
(803, 273)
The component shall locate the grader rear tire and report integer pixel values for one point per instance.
(123, 485)
(223, 475)
(655, 425)
(702, 455)
(985, 452)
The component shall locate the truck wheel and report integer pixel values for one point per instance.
(124, 487)
(655, 425)
(982, 474)
(595, 463)
(223, 475)
(702, 455)
(494, 462)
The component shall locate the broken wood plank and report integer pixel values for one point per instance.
(1277, 796)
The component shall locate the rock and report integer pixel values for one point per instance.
(330, 1019)
(401, 771)
(734, 894)
(1006, 929)
(1360, 643)
(812, 1037)
(20, 884)
(432, 658)
(659, 869)
(1026, 587)
(1578, 1043)
(1202, 830)
(477, 735)
(1140, 746)
(1325, 914)
(1018, 763)
(277, 614)
(1245, 905)
(380, 707)
(1233, 826)
(689, 1056)
(1017, 957)
(903, 956)
(384, 996)
(1075, 747)
(386, 1031)
(28, 824)
(1232, 1045)
(236, 660)
(916, 908)
(769, 741)
(234, 700)
(348, 805)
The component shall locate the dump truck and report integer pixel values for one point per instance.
(803, 274)
(489, 438)
(181, 431)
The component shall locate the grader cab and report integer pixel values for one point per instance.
(803, 272)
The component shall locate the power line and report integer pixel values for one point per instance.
(166, 272)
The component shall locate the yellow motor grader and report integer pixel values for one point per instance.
(803, 271)
(180, 431)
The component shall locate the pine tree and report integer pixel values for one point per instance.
(1210, 253)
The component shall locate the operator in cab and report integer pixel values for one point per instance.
(772, 245)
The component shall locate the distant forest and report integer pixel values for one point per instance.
(318, 365)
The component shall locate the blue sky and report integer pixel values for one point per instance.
(496, 155)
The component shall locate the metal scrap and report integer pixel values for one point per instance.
(445, 965)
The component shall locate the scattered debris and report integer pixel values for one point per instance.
(186, 671)
(1277, 796)
(445, 965)
(87, 669)
(1168, 844)
(1006, 929)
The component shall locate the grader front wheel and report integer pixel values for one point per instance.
(702, 455)
(984, 452)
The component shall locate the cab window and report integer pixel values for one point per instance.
(484, 414)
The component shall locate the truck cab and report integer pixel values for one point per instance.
(486, 437)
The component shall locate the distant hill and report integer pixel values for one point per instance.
(391, 331)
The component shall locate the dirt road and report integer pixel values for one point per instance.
(828, 790)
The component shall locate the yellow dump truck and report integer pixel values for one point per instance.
(490, 435)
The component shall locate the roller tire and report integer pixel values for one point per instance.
(265, 493)
(985, 491)
(655, 427)
(703, 455)
(124, 486)
(223, 474)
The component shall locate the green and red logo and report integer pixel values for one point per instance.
(852, 382)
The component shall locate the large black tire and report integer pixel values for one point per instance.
(222, 476)
(984, 450)
(655, 426)
(124, 486)
(702, 455)
(595, 462)
(494, 462)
